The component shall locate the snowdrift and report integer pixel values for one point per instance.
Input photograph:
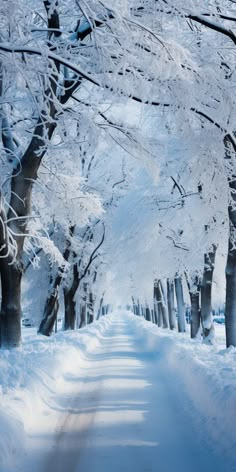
(207, 374)
(27, 378)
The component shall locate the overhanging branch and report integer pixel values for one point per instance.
(214, 26)
(51, 56)
(86, 76)
(93, 255)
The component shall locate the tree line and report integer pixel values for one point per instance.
(58, 81)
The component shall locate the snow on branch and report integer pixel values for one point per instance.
(93, 256)
(50, 55)
(214, 26)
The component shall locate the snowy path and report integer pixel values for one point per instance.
(122, 412)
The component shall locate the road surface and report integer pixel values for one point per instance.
(122, 412)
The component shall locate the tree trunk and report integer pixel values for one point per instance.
(135, 310)
(180, 305)
(171, 304)
(155, 310)
(230, 306)
(82, 316)
(91, 308)
(90, 318)
(11, 259)
(194, 288)
(206, 291)
(22, 180)
(50, 313)
(157, 305)
(230, 271)
(195, 313)
(52, 304)
(159, 316)
(152, 314)
(148, 314)
(161, 305)
(70, 312)
(10, 333)
(139, 311)
(100, 306)
(83, 306)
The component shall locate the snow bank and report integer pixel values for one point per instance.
(207, 374)
(29, 375)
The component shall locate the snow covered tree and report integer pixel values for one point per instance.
(54, 73)
(44, 61)
(222, 27)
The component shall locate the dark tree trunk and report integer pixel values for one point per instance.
(152, 314)
(134, 306)
(90, 318)
(155, 312)
(50, 313)
(148, 314)
(90, 308)
(100, 306)
(52, 304)
(195, 313)
(159, 316)
(70, 312)
(22, 180)
(155, 307)
(230, 271)
(20, 206)
(171, 304)
(194, 287)
(138, 309)
(180, 305)
(206, 295)
(69, 302)
(10, 334)
(163, 305)
(230, 306)
(158, 311)
(83, 306)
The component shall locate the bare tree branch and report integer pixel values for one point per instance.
(93, 255)
(214, 26)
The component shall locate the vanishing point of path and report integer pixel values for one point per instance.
(122, 412)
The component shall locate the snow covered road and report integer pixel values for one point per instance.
(123, 410)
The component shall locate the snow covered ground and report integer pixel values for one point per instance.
(119, 394)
